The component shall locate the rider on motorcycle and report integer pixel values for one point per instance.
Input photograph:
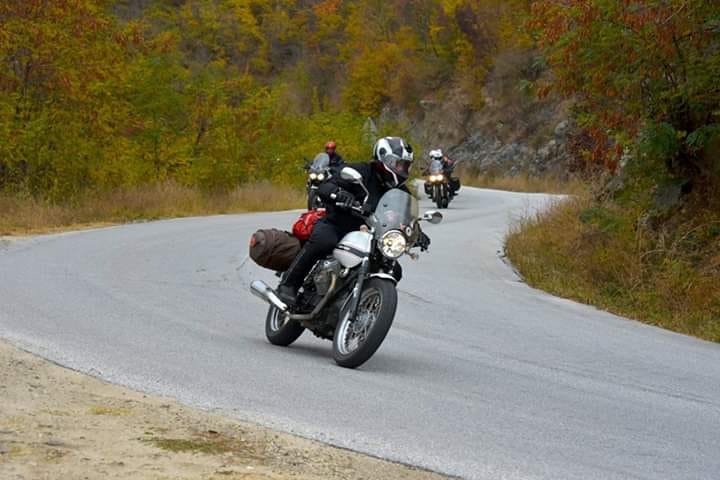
(336, 160)
(389, 168)
(448, 168)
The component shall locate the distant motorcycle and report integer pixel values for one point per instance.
(318, 172)
(351, 295)
(437, 184)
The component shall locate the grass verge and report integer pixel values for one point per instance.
(525, 184)
(26, 215)
(608, 256)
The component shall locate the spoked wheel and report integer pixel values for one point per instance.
(280, 330)
(357, 339)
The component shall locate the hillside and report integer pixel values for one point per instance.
(103, 94)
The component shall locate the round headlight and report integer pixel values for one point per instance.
(321, 176)
(313, 176)
(440, 178)
(393, 244)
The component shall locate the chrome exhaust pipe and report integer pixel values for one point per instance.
(267, 294)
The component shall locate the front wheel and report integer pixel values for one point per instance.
(280, 330)
(446, 196)
(312, 202)
(428, 189)
(437, 191)
(357, 339)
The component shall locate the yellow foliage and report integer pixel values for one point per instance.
(213, 94)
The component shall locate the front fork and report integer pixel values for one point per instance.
(363, 271)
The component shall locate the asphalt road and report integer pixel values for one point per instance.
(480, 376)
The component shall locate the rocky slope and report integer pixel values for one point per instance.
(514, 133)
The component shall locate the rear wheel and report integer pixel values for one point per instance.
(280, 330)
(357, 339)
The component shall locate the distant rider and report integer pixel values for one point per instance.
(336, 160)
(389, 168)
(448, 168)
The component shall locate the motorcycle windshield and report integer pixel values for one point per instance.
(320, 163)
(396, 210)
(436, 167)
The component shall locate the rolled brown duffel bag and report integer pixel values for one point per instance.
(274, 249)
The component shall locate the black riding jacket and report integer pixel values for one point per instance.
(342, 217)
(336, 160)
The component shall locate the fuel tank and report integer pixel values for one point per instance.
(353, 248)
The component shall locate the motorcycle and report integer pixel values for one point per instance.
(318, 172)
(350, 297)
(437, 184)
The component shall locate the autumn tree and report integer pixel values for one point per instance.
(639, 68)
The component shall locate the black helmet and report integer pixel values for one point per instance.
(392, 159)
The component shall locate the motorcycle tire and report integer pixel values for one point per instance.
(312, 202)
(446, 197)
(283, 334)
(383, 314)
(437, 194)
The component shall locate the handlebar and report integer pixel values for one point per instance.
(356, 207)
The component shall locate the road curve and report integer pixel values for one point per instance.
(480, 376)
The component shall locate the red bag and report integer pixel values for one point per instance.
(303, 227)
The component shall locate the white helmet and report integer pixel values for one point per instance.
(394, 145)
(436, 154)
(392, 159)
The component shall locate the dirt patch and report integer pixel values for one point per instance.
(58, 424)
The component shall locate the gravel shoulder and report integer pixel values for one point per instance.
(57, 423)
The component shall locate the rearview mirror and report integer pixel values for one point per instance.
(433, 216)
(351, 175)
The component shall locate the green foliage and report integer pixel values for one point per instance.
(703, 136)
(101, 94)
(601, 217)
(659, 141)
(639, 67)
(657, 146)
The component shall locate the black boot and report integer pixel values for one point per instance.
(287, 294)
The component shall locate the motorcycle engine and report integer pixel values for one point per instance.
(323, 275)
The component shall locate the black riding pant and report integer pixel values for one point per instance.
(325, 236)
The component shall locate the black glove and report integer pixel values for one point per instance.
(367, 210)
(423, 242)
(344, 199)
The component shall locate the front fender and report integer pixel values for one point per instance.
(385, 276)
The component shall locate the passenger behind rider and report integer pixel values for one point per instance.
(389, 168)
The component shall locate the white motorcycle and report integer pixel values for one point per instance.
(350, 297)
